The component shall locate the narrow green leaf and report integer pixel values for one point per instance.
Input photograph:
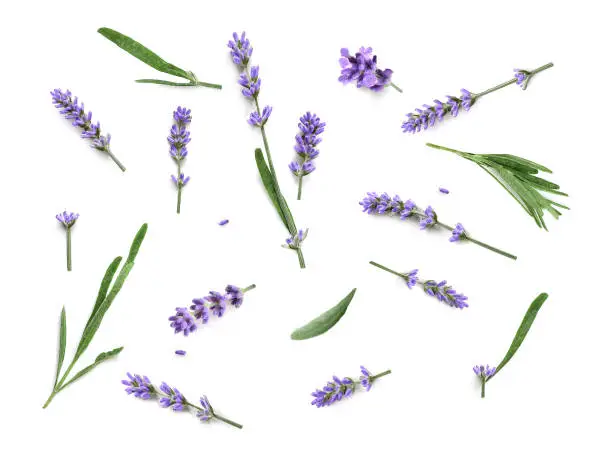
(325, 321)
(135, 247)
(506, 157)
(100, 359)
(163, 82)
(268, 182)
(142, 53)
(522, 330)
(106, 282)
(62, 344)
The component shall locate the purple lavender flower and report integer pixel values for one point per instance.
(181, 181)
(173, 398)
(241, 49)
(458, 233)
(294, 242)
(362, 68)
(178, 139)
(445, 293)
(522, 77)
(310, 127)
(337, 389)
(423, 119)
(250, 82)
(182, 116)
(75, 112)
(180, 352)
(139, 386)
(199, 308)
(484, 372)
(443, 190)
(224, 222)
(412, 278)
(234, 295)
(429, 219)
(68, 219)
(257, 120)
(217, 303)
(183, 321)
(366, 378)
(206, 413)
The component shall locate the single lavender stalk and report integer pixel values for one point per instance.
(362, 68)
(337, 389)
(483, 373)
(241, 51)
(141, 387)
(75, 112)
(178, 139)
(185, 320)
(383, 204)
(68, 219)
(440, 290)
(426, 117)
(306, 141)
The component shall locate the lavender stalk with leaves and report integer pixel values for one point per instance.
(241, 51)
(68, 219)
(75, 112)
(362, 68)
(153, 60)
(427, 116)
(178, 139)
(306, 142)
(170, 397)
(109, 289)
(374, 203)
(337, 388)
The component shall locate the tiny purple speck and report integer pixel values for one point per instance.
(444, 190)
(180, 352)
(224, 222)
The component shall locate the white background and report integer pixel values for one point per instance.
(550, 408)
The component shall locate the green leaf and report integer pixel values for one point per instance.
(268, 182)
(135, 247)
(62, 344)
(142, 53)
(106, 282)
(325, 321)
(100, 359)
(522, 330)
(503, 158)
(163, 82)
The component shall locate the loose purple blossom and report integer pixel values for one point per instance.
(200, 310)
(445, 293)
(224, 222)
(234, 295)
(183, 322)
(181, 181)
(362, 69)
(337, 388)
(250, 82)
(257, 120)
(139, 386)
(412, 278)
(429, 219)
(173, 398)
(305, 147)
(294, 242)
(67, 219)
(180, 352)
(365, 379)
(458, 233)
(443, 190)
(178, 139)
(240, 49)
(75, 112)
(216, 303)
(206, 413)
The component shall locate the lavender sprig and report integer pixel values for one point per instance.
(241, 51)
(75, 112)
(68, 219)
(483, 373)
(178, 139)
(362, 68)
(374, 203)
(170, 397)
(185, 320)
(337, 388)
(426, 117)
(306, 141)
(440, 290)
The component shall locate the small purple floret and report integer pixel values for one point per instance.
(207, 412)
(67, 219)
(484, 372)
(443, 190)
(241, 49)
(183, 322)
(139, 386)
(224, 222)
(217, 303)
(458, 233)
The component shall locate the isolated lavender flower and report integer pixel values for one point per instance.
(75, 112)
(306, 142)
(224, 222)
(337, 389)
(443, 190)
(426, 117)
(458, 233)
(178, 139)
(180, 352)
(201, 308)
(484, 373)
(259, 120)
(362, 69)
(141, 387)
(68, 219)
(241, 49)
(374, 203)
(295, 241)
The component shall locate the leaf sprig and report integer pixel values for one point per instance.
(518, 176)
(147, 56)
(106, 296)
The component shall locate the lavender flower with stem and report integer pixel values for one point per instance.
(186, 320)
(170, 397)
(374, 203)
(440, 290)
(337, 388)
(178, 139)
(68, 219)
(362, 68)
(75, 112)
(241, 51)
(306, 142)
(425, 117)
(483, 373)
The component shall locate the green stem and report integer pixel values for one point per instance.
(299, 196)
(439, 147)
(482, 388)
(68, 249)
(489, 247)
(209, 85)
(384, 268)
(178, 199)
(59, 386)
(382, 374)
(246, 289)
(396, 87)
(110, 154)
(190, 83)
(179, 186)
(228, 421)
(510, 82)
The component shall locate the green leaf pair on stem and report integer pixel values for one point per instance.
(106, 295)
(153, 60)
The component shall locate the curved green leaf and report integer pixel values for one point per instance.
(106, 282)
(101, 358)
(325, 321)
(62, 344)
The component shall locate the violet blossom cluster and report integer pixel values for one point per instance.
(426, 117)
(374, 203)
(337, 389)
(305, 147)
(362, 68)
(484, 373)
(67, 219)
(178, 139)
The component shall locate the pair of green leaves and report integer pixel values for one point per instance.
(106, 295)
(147, 56)
(518, 176)
(325, 321)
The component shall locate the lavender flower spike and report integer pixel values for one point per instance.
(241, 49)
(337, 389)
(484, 373)
(75, 112)
(426, 117)
(440, 290)
(310, 127)
(362, 69)
(178, 139)
(215, 303)
(68, 219)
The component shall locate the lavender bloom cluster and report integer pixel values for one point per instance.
(306, 142)
(423, 119)
(178, 139)
(67, 219)
(215, 304)
(445, 294)
(362, 68)
(374, 203)
(337, 389)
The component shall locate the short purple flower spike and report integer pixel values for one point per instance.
(310, 127)
(178, 139)
(362, 69)
(139, 386)
(240, 49)
(68, 219)
(294, 242)
(183, 322)
(173, 398)
(337, 388)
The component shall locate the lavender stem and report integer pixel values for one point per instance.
(384, 268)
(299, 196)
(110, 154)
(396, 87)
(246, 289)
(482, 389)
(382, 374)
(68, 249)
(510, 82)
(228, 421)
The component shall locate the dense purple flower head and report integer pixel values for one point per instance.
(240, 49)
(182, 116)
(412, 278)
(484, 372)
(199, 308)
(217, 303)
(423, 119)
(362, 68)
(429, 219)
(255, 119)
(302, 168)
(334, 391)
(183, 321)
(173, 398)
(295, 241)
(366, 378)
(206, 412)
(310, 127)
(445, 293)
(234, 295)
(181, 181)
(250, 82)
(458, 233)
(374, 203)
(68, 219)
(139, 386)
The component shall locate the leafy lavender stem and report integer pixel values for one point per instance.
(510, 82)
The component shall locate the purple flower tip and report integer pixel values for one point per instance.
(68, 219)
(183, 322)
(240, 49)
(484, 372)
(443, 190)
(139, 386)
(224, 222)
(458, 233)
(306, 141)
(295, 241)
(180, 352)
(445, 294)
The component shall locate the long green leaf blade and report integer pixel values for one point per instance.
(142, 53)
(100, 359)
(135, 247)
(325, 321)
(105, 285)
(502, 158)
(163, 82)
(62, 344)
(268, 182)
(522, 330)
